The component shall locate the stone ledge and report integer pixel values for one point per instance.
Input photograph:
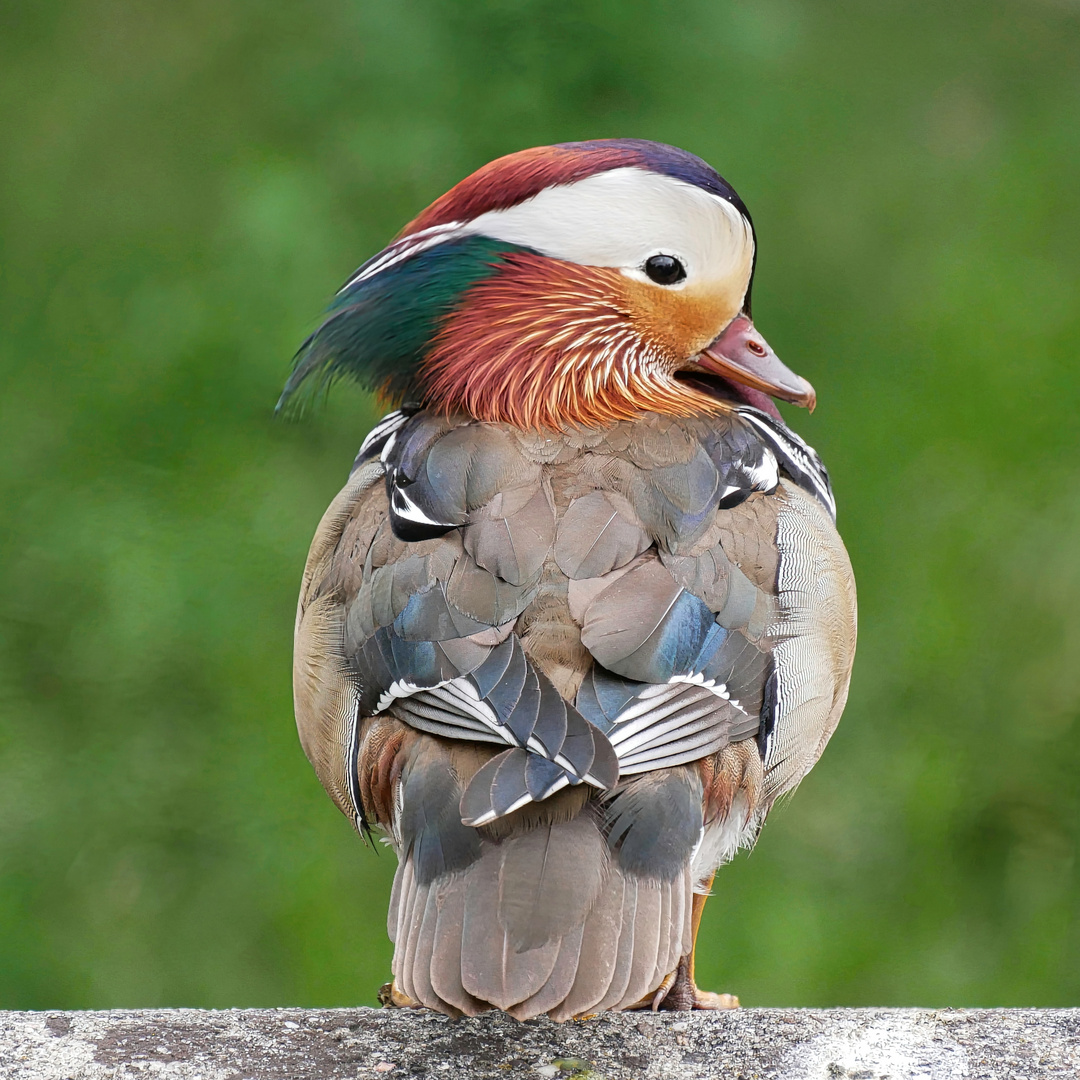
(771, 1044)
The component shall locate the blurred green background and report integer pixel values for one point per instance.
(184, 185)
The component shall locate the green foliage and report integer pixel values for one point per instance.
(183, 187)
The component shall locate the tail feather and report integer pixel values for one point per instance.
(675, 916)
(646, 943)
(503, 977)
(403, 891)
(412, 894)
(599, 945)
(585, 910)
(421, 946)
(559, 983)
(624, 956)
(445, 967)
(452, 953)
(491, 968)
(549, 879)
(688, 915)
(667, 937)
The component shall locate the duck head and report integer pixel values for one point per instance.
(568, 285)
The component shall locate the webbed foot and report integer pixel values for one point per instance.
(390, 997)
(680, 993)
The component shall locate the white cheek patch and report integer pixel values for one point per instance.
(621, 217)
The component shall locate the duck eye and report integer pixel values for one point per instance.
(665, 269)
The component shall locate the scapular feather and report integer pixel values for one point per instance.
(378, 330)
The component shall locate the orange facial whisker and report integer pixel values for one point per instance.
(548, 344)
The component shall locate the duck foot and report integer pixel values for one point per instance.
(679, 993)
(390, 997)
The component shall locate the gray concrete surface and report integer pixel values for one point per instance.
(777, 1044)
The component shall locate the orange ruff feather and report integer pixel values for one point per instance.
(551, 344)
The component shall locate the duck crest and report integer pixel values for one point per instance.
(510, 180)
(380, 326)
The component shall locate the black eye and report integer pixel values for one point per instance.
(664, 269)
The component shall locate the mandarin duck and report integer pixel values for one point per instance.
(581, 614)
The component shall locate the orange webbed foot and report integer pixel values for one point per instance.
(680, 993)
(390, 997)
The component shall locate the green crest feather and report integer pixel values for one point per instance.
(378, 330)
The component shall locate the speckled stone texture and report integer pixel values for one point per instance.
(796, 1044)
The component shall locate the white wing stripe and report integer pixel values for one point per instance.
(621, 736)
(643, 705)
(477, 710)
(405, 508)
(658, 734)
